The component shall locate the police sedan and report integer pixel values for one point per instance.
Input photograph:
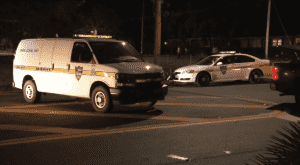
(225, 66)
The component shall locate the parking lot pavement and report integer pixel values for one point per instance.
(213, 142)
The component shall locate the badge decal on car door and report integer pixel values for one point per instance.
(78, 72)
(223, 69)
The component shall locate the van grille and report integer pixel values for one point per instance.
(147, 76)
(148, 85)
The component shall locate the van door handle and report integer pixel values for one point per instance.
(68, 67)
(53, 66)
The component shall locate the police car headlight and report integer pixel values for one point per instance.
(188, 71)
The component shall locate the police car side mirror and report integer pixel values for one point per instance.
(219, 63)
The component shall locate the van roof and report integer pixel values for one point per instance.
(74, 39)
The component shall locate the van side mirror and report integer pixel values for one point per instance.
(219, 63)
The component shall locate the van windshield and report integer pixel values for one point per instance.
(115, 52)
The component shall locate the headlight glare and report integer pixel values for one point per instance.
(188, 71)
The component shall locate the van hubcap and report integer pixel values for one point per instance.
(100, 99)
(29, 91)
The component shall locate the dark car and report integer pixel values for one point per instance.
(286, 71)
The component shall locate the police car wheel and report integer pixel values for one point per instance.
(202, 79)
(30, 93)
(101, 100)
(254, 77)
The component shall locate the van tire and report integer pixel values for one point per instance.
(30, 93)
(101, 100)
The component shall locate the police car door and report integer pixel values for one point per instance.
(82, 64)
(245, 64)
(224, 71)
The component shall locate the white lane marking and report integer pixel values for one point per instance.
(76, 133)
(178, 157)
(227, 152)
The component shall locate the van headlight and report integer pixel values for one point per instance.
(124, 80)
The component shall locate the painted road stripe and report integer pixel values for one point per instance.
(222, 97)
(158, 103)
(37, 129)
(211, 105)
(78, 133)
(42, 109)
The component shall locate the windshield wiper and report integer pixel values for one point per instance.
(130, 60)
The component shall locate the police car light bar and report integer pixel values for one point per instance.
(230, 52)
(91, 36)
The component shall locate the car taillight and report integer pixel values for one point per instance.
(275, 76)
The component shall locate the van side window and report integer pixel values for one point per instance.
(81, 53)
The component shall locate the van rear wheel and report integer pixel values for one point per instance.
(30, 93)
(101, 100)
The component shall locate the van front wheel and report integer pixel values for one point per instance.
(30, 93)
(101, 100)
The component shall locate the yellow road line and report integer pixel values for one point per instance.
(84, 133)
(211, 105)
(36, 128)
(47, 110)
(222, 97)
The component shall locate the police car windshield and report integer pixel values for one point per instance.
(115, 52)
(208, 60)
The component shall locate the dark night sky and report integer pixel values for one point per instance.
(250, 16)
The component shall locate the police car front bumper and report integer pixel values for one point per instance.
(182, 78)
(131, 95)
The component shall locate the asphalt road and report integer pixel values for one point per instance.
(224, 123)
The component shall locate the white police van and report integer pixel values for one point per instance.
(87, 66)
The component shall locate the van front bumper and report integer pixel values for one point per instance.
(132, 95)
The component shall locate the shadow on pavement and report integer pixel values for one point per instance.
(214, 84)
(85, 121)
(290, 108)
